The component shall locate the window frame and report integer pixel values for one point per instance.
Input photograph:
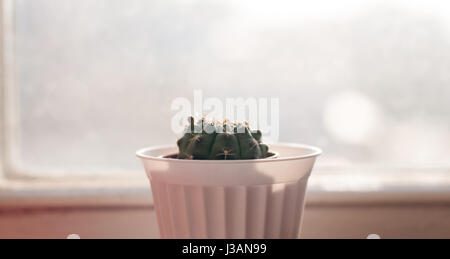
(2, 90)
(17, 188)
(7, 121)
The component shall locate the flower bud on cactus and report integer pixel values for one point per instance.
(214, 140)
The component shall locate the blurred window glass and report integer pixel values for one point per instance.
(367, 81)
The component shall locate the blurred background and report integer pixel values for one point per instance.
(365, 80)
(92, 81)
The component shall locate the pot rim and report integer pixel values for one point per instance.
(313, 152)
(270, 155)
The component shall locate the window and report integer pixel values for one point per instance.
(93, 81)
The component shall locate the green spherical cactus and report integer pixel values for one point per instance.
(212, 140)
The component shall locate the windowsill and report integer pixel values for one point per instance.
(326, 188)
(75, 193)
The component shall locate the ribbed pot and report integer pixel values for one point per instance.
(262, 198)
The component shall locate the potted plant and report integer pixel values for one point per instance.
(221, 181)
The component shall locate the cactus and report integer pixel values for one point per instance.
(212, 140)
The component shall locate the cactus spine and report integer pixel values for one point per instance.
(214, 140)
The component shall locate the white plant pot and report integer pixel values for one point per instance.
(260, 198)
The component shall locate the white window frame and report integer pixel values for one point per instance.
(330, 185)
(2, 91)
